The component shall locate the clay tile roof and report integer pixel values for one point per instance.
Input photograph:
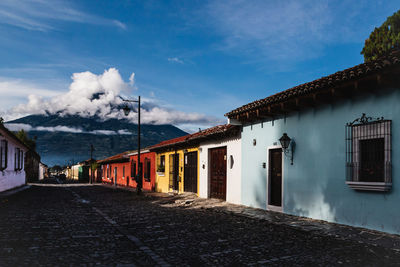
(170, 142)
(219, 130)
(353, 73)
(121, 157)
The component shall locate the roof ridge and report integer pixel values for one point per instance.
(351, 73)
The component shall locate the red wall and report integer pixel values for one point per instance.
(148, 184)
(127, 180)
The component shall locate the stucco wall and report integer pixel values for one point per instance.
(233, 175)
(314, 186)
(9, 178)
(162, 181)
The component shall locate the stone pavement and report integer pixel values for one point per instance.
(340, 231)
(88, 225)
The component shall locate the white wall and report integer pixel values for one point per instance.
(9, 178)
(42, 170)
(233, 176)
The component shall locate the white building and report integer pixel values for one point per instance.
(42, 170)
(220, 165)
(12, 155)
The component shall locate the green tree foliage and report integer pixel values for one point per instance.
(24, 137)
(1, 120)
(383, 39)
(94, 165)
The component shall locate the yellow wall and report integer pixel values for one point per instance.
(162, 181)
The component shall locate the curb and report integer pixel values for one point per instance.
(13, 191)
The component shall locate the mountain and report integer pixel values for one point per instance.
(65, 139)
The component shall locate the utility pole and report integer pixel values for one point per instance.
(127, 109)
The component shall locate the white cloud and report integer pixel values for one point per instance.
(99, 95)
(18, 126)
(39, 15)
(132, 79)
(60, 128)
(105, 132)
(124, 132)
(175, 60)
(276, 29)
(20, 88)
(290, 30)
(27, 127)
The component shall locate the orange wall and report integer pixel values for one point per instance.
(127, 180)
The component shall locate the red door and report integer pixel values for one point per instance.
(190, 172)
(218, 173)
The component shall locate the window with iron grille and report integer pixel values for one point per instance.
(3, 154)
(147, 169)
(368, 154)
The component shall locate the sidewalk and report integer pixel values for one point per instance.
(13, 191)
(318, 227)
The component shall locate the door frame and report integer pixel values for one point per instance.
(268, 175)
(186, 156)
(209, 170)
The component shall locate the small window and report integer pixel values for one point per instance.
(147, 169)
(161, 164)
(3, 154)
(16, 159)
(368, 154)
(133, 169)
(21, 159)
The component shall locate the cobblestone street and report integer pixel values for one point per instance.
(54, 224)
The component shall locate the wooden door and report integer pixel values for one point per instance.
(174, 171)
(275, 177)
(115, 176)
(190, 172)
(218, 173)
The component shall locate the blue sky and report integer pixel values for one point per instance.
(197, 59)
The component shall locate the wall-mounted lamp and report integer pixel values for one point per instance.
(231, 162)
(288, 146)
(254, 142)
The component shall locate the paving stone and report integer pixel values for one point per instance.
(119, 228)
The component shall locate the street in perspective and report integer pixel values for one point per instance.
(74, 224)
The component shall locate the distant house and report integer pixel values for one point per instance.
(12, 155)
(148, 166)
(327, 149)
(115, 168)
(220, 163)
(198, 163)
(122, 169)
(43, 171)
(32, 162)
(177, 165)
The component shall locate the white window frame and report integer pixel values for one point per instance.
(268, 175)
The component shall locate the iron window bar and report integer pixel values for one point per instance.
(368, 154)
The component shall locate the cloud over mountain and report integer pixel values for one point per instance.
(91, 95)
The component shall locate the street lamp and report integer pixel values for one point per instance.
(127, 110)
(288, 146)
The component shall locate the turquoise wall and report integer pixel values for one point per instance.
(314, 186)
